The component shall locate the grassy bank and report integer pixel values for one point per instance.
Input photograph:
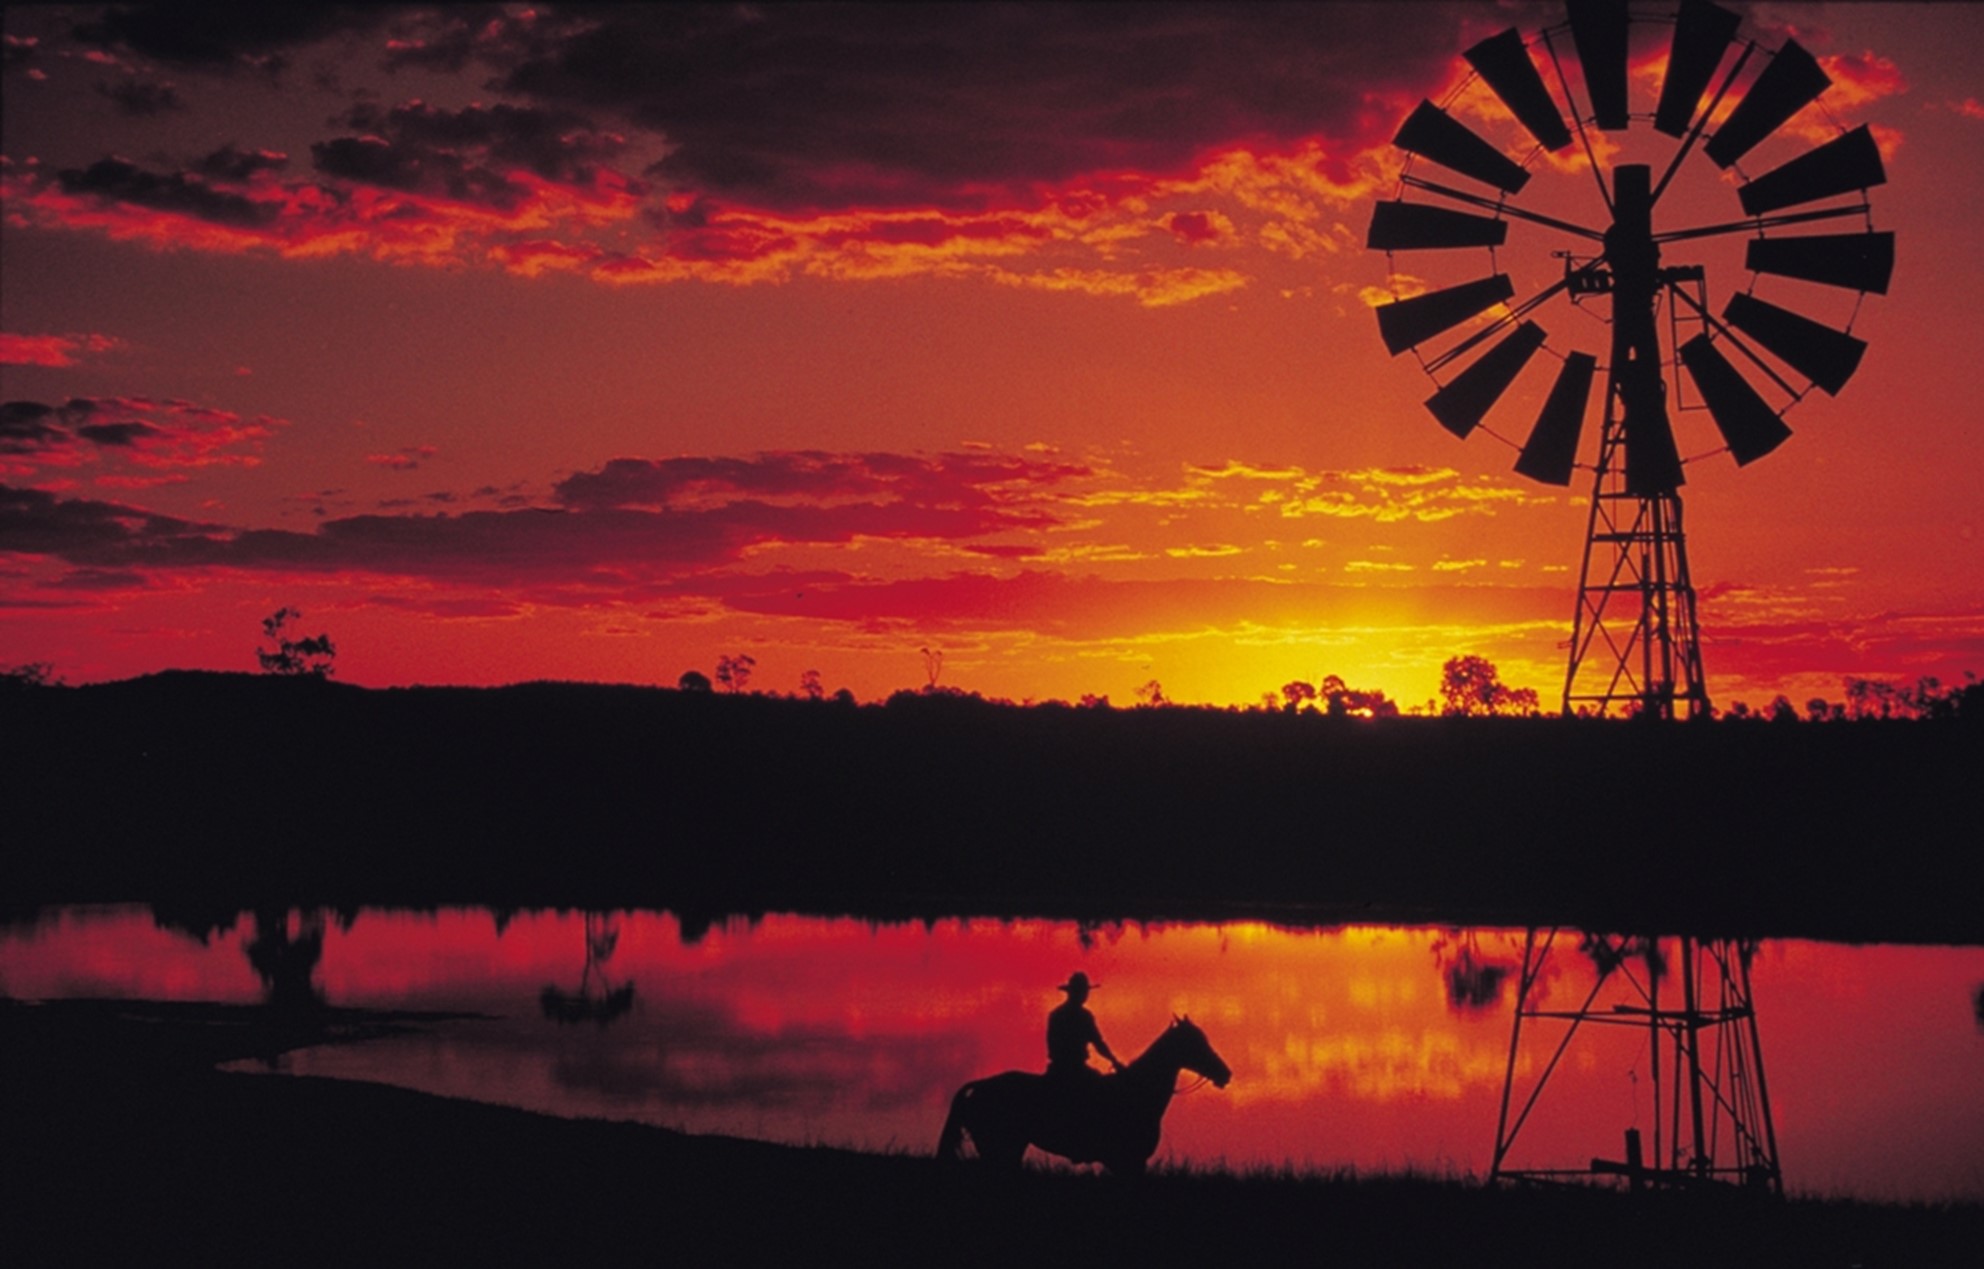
(121, 1144)
(231, 790)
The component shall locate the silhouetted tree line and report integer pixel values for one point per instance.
(265, 790)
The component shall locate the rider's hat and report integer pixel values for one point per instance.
(1078, 981)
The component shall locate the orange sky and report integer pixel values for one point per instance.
(523, 344)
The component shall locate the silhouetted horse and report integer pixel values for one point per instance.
(1113, 1120)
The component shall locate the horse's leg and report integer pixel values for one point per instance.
(1001, 1151)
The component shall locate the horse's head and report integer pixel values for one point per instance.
(1194, 1053)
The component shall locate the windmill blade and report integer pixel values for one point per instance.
(1504, 65)
(1552, 450)
(1405, 323)
(1402, 226)
(1745, 419)
(1598, 28)
(1858, 262)
(1791, 82)
(1826, 356)
(1848, 162)
(1432, 132)
(1701, 34)
(1461, 405)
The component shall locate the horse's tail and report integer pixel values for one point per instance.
(950, 1143)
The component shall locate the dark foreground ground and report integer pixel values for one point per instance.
(234, 791)
(121, 1145)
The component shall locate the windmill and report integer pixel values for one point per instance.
(1625, 273)
(1635, 641)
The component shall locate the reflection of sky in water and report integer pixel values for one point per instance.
(1364, 1046)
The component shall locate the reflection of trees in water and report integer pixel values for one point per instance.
(284, 956)
(1473, 978)
(1610, 953)
(597, 999)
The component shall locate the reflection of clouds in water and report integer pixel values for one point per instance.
(693, 1054)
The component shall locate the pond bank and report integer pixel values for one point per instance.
(119, 1140)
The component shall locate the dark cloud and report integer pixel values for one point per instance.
(27, 427)
(18, 51)
(141, 97)
(630, 527)
(115, 180)
(468, 155)
(947, 480)
(222, 36)
(810, 106)
(33, 522)
(152, 433)
(123, 434)
(232, 164)
(558, 145)
(93, 579)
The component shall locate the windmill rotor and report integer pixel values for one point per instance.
(1565, 100)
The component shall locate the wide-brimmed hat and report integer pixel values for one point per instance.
(1078, 981)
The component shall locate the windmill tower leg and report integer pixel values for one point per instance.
(1711, 1120)
(1635, 639)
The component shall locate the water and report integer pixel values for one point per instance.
(1367, 1048)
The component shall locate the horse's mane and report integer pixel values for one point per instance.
(1179, 1023)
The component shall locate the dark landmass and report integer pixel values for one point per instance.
(232, 791)
(119, 1143)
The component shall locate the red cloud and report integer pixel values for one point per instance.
(406, 458)
(159, 435)
(52, 350)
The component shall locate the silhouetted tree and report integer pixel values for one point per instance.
(933, 668)
(735, 672)
(1782, 710)
(1340, 700)
(28, 674)
(810, 686)
(1470, 685)
(1293, 694)
(1151, 694)
(693, 681)
(308, 657)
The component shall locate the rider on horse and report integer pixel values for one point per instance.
(1071, 1029)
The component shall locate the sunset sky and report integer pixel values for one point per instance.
(517, 342)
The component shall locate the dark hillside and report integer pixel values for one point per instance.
(232, 787)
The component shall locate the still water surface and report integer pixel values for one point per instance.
(1367, 1048)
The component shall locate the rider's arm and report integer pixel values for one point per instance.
(1102, 1047)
